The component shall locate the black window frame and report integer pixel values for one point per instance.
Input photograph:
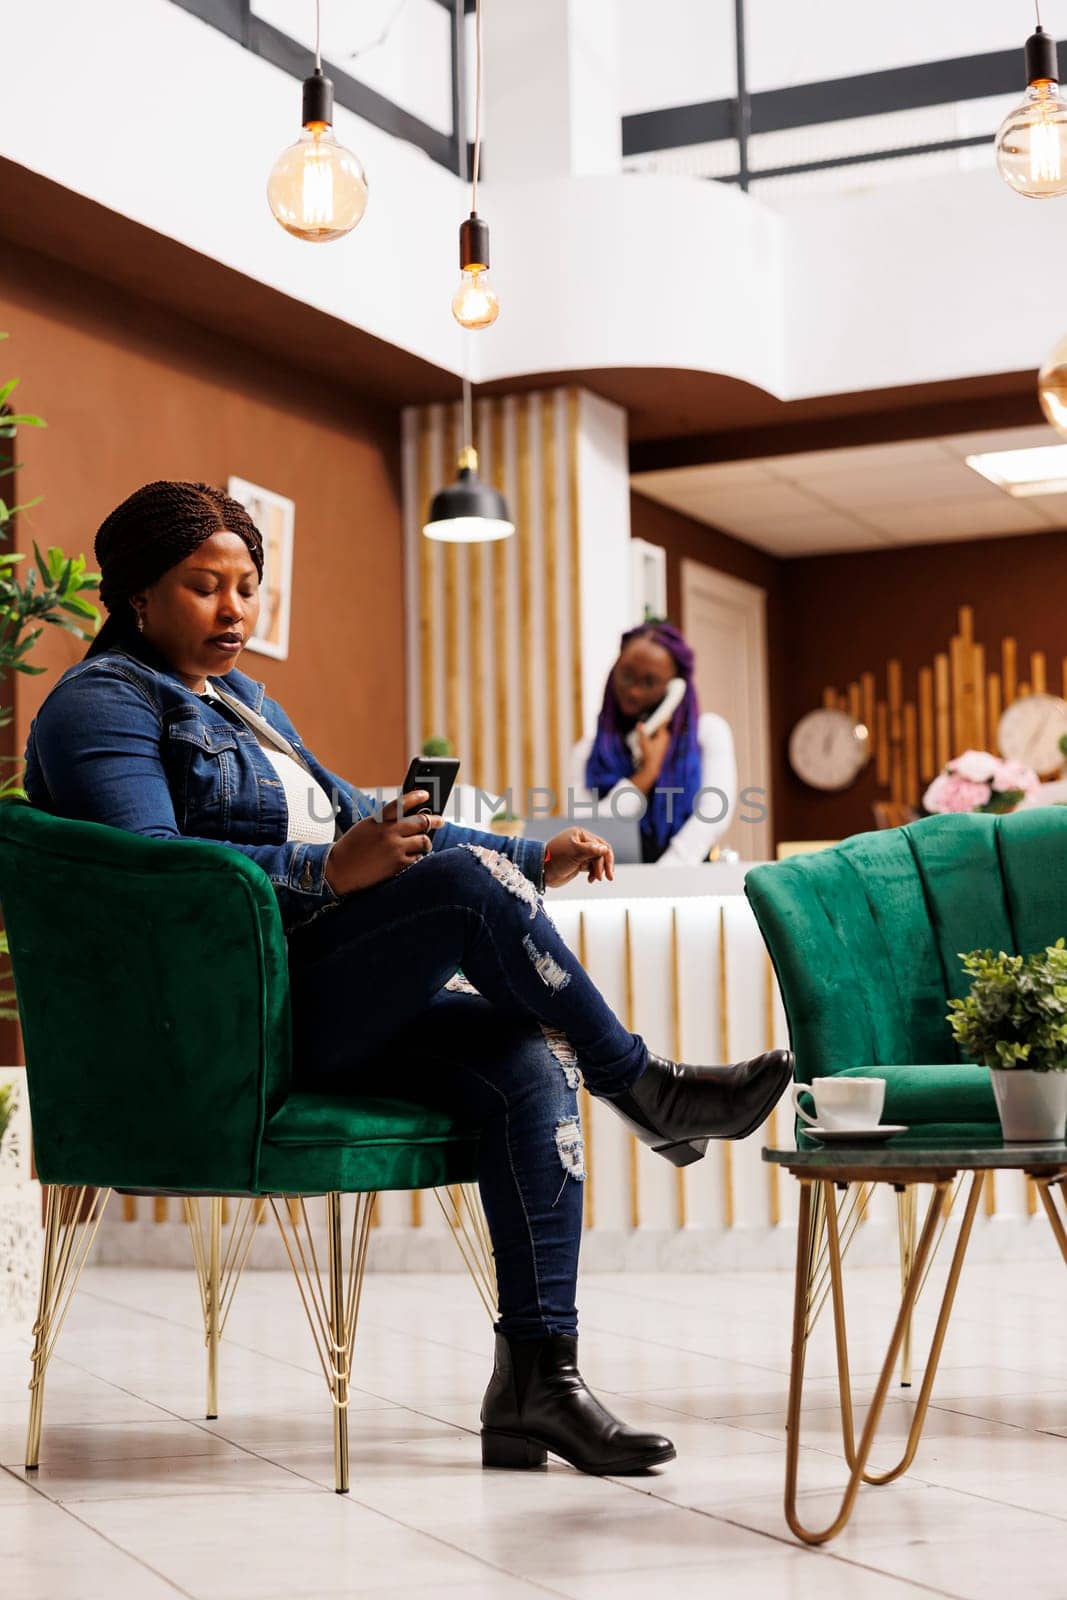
(236, 20)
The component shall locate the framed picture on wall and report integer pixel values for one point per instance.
(274, 515)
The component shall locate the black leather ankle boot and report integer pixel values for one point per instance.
(537, 1401)
(677, 1109)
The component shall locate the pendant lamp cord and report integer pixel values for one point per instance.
(468, 418)
(318, 35)
(1037, 11)
(478, 101)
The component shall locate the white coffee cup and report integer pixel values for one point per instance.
(842, 1103)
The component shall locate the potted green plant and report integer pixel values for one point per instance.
(1014, 1021)
(49, 592)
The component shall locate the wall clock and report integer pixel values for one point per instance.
(828, 749)
(1030, 731)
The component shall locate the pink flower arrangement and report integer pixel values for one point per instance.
(978, 781)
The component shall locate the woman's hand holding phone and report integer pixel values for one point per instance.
(654, 747)
(379, 847)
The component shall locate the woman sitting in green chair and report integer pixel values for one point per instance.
(157, 732)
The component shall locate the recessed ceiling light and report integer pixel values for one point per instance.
(1022, 472)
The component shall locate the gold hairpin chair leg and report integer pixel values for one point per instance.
(462, 1209)
(857, 1457)
(218, 1272)
(72, 1216)
(332, 1307)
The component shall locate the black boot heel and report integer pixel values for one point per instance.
(508, 1450)
(682, 1155)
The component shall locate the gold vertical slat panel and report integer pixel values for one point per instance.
(159, 1208)
(896, 731)
(979, 704)
(680, 1209)
(881, 748)
(501, 652)
(452, 556)
(129, 1208)
(855, 702)
(1009, 669)
(526, 578)
(724, 1056)
(829, 698)
(628, 957)
(911, 754)
(867, 692)
(416, 1208)
(574, 422)
(927, 768)
(993, 707)
(1038, 672)
(942, 711)
(550, 537)
(427, 559)
(476, 575)
(960, 739)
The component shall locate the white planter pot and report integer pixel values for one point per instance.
(1032, 1105)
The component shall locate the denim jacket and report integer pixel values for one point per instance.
(121, 740)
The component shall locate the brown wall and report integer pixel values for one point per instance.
(850, 614)
(831, 618)
(131, 392)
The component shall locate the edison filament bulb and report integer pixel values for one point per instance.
(317, 189)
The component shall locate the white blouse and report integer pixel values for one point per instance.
(690, 845)
(311, 818)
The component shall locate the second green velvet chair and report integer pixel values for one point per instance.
(866, 940)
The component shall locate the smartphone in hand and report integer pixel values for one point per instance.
(436, 774)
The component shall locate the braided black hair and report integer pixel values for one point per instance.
(154, 529)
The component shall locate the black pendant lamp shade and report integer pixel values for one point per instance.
(468, 511)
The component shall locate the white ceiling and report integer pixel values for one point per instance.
(866, 498)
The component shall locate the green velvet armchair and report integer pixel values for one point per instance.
(154, 1000)
(866, 938)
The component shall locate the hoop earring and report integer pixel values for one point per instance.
(140, 622)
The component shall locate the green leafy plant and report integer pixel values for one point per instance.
(49, 592)
(7, 1107)
(1016, 1013)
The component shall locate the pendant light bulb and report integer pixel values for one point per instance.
(1031, 142)
(474, 304)
(317, 189)
(1052, 388)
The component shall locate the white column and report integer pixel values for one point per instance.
(552, 88)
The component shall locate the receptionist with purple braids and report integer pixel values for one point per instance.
(654, 756)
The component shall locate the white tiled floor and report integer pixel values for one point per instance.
(138, 1498)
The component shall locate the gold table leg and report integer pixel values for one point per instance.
(857, 1458)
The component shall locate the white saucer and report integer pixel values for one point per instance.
(876, 1135)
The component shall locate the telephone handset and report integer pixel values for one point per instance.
(659, 716)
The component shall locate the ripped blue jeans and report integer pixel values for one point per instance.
(371, 1011)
